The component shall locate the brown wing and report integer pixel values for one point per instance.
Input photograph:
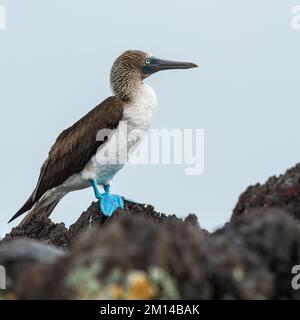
(74, 147)
(77, 144)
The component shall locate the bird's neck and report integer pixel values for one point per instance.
(127, 86)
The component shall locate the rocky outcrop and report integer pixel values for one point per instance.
(140, 253)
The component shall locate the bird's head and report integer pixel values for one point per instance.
(133, 66)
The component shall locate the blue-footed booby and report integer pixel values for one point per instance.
(75, 160)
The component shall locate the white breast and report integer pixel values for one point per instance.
(138, 116)
(132, 129)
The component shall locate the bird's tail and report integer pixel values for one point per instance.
(44, 206)
(40, 209)
(27, 206)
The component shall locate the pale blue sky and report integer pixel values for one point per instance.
(55, 58)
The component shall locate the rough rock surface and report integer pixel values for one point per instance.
(43, 229)
(140, 253)
(281, 192)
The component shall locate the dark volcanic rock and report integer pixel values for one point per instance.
(137, 257)
(30, 250)
(273, 236)
(43, 229)
(26, 262)
(126, 246)
(136, 238)
(140, 253)
(281, 192)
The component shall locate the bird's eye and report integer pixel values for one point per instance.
(147, 61)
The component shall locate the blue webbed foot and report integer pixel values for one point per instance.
(108, 203)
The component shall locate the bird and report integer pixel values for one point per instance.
(78, 159)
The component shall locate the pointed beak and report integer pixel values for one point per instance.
(156, 65)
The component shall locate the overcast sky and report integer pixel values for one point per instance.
(54, 67)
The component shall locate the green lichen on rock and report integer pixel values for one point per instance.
(86, 283)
